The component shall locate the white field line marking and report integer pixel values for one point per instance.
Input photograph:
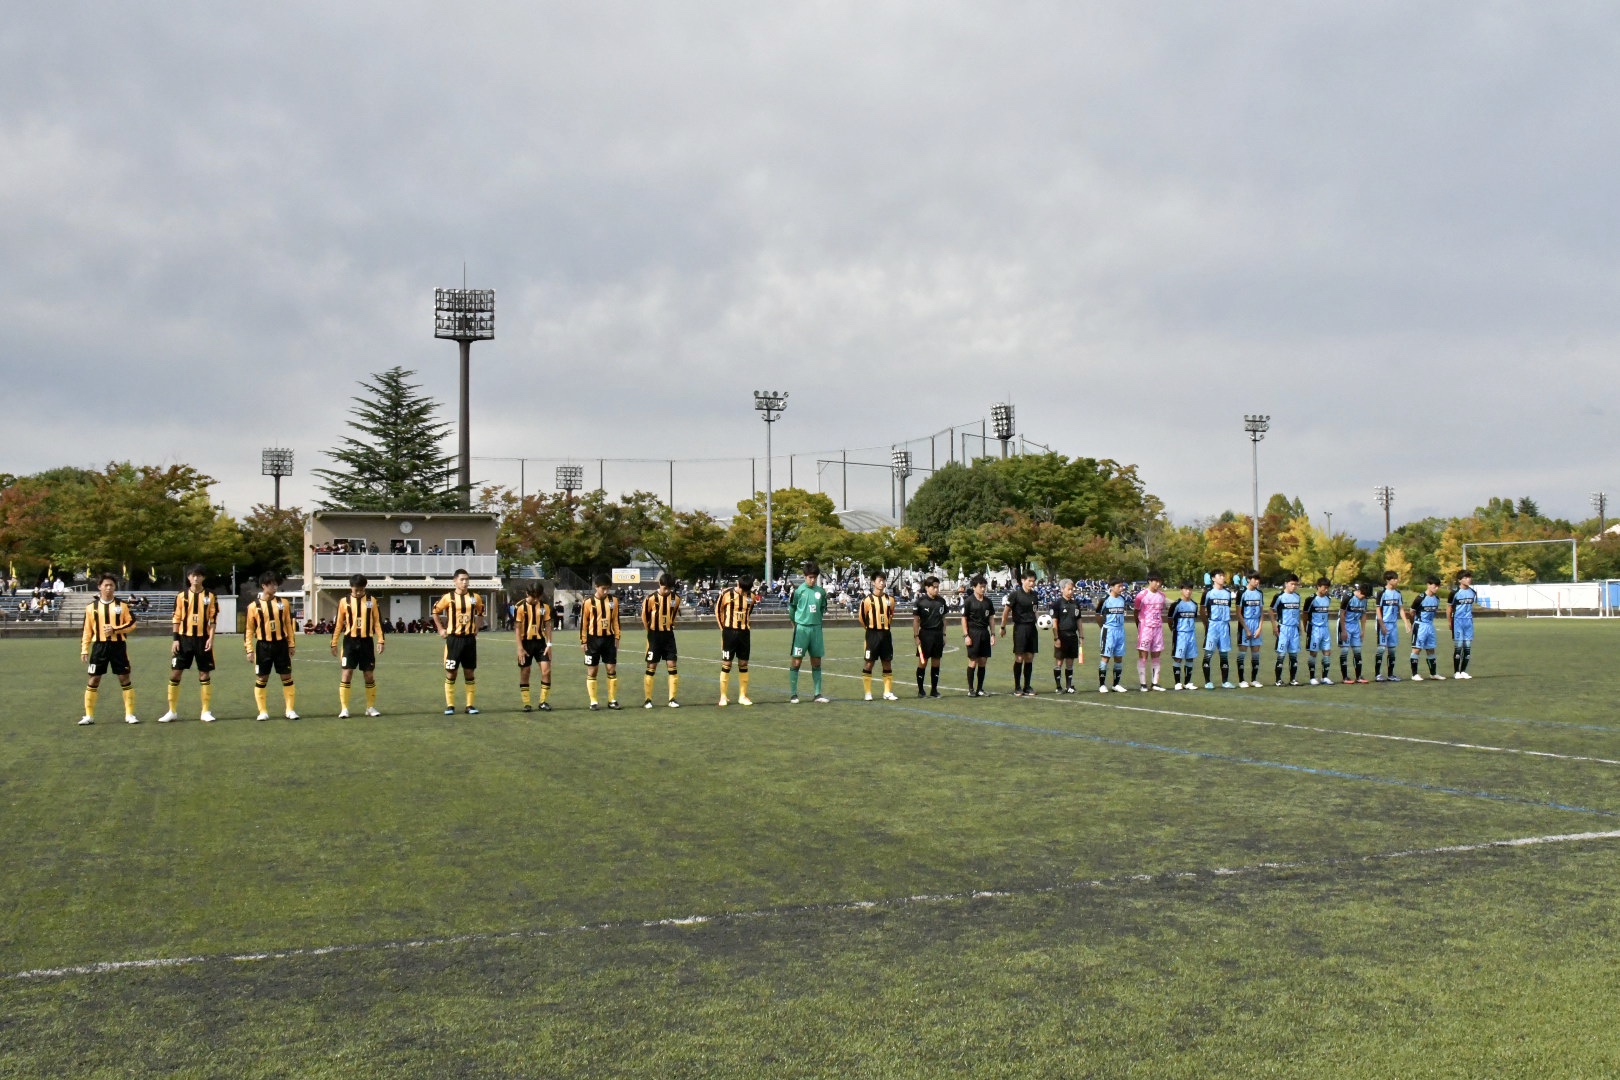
(1052, 699)
(113, 966)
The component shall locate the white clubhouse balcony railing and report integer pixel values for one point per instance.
(381, 566)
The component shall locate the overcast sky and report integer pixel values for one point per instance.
(1391, 226)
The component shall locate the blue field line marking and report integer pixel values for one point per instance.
(1207, 755)
(1396, 710)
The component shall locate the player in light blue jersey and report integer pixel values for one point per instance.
(1285, 608)
(1111, 617)
(1319, 615)
(1182, 619)
(1390, 617)
(1460, 614)
(1352, 618)
(1425, 610)
(1217, 606)
(1251, 618)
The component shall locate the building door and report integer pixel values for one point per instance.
(407, 606)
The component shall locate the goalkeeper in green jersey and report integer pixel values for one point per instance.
(807, 605)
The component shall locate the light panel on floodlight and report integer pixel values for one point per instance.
(570, 477)
(464, 314)
(1001, 415)
(276, 461)
(901, 462)
(769, 403)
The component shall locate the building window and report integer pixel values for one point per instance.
(460, 547)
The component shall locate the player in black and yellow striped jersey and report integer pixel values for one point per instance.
(531, 625)
(107, 626)
(599, 635)
(271, 643)
(457, 616)
(196, 610)
(658, 614)
(358, 631)
(877, 616)
(735, 612)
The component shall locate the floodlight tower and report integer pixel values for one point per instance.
(1001, 415)
(464, 316)
(1256, 426)
(276, 461)
(770, 404)
(1600, 503)
(900, 461)
(1385, 495)
(570, 478)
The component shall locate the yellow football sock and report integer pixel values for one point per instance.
(725, 682)
(129, 701)
(289, 694)
(472, 694)
(647, 686)
(545, 692)
(343, 696)
(524, 690)
(742, 684)
(888, 683)
(613, 688)
(371, 695)
(590, 687)
(262, 697)
(207, 689)
(449, 694)
(174, 697)
(89, 701)
(674, 685)
(866, 681)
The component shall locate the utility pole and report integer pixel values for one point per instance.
(1385, 495)
(1256, 426)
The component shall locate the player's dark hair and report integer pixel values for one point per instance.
(1212, 573)
(1027, 575)
(536, 589)
(878, 575)
(1154, 575)
(667, 580)
(1291, 577)
(1321, 581)
(977, 579)
(107, 575)
(1433, 579)
(1186, 585)
(460, 573)
(196, 568)
(1390, 575)
(1117, 581)
(269, 577)
(602, 580)
(357, 581)
(930, 581)
(745, 582)
(811, 569)
(1254, 575)
(1464, 573)
(1361, 587)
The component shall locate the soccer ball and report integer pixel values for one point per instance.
(1044, 622)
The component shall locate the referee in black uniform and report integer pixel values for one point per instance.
(1021, 605)
(977, 611)
(928, 631)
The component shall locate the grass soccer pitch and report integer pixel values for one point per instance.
(1411, 880)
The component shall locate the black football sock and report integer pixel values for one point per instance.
(1456, 659)
(1068, 675)
(982, 670)
(1206, 668)
(1467, 655)
(1279, 666)
(1018, 677)
(1029, 676)
(933, 678)
(1226, 669)
(1431, 665)
(919, 679)
(1057, 676)
(1414, 663)
(1119, 670)
(971, 672)
(1293, 668)
(1102, 672)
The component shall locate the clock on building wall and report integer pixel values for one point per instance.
(405, 527)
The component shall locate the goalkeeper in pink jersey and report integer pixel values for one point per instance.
(1150, 606)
